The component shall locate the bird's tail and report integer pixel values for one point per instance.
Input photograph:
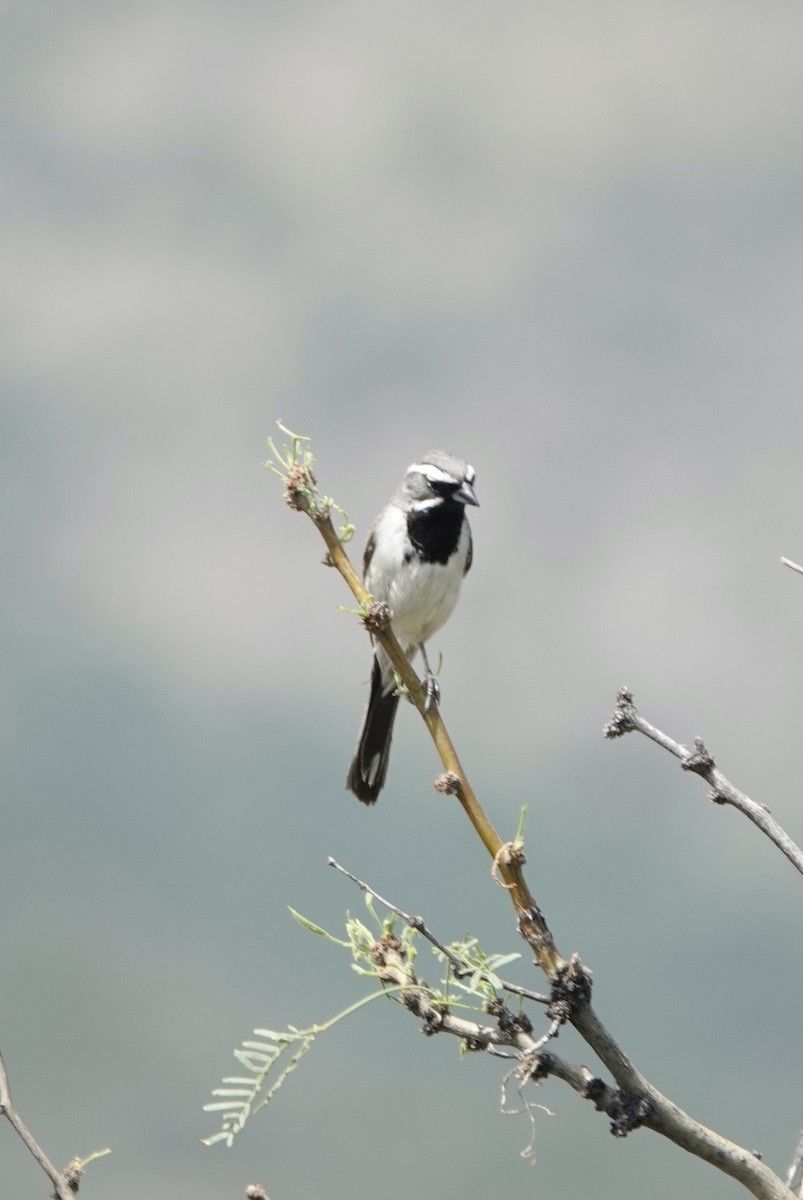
(369, 767)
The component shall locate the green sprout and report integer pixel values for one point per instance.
(294, 468)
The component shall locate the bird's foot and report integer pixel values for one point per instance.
(433, 690)
(430, 683)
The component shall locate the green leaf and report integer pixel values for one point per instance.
(497, 961)
(306, 923)
(222, 1136)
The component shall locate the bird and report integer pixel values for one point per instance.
(419, 549)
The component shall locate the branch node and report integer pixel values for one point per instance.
(596, 1090)
(510, 854)
(377, 617)
(510, 1024)
(299, 482)
(623, 719)
(432, 1013)
(628, 1110)
(521, 1022)
(383, 952)
(700, 761)
(447, 784)
(542, 1067)
(571, 987)
(72, 1176)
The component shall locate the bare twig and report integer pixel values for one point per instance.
(62, 1188)
(626, 718)
(787, 562)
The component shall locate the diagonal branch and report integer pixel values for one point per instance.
(642, 1104)
(301, 495)
(627, 718)
(61, 1186)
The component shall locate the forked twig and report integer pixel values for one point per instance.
(626, 718)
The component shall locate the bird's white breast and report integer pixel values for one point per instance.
(421, 595)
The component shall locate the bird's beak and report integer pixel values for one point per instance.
(466, 493)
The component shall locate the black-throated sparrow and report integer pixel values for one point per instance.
(418, 551)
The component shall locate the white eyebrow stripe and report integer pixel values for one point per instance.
(470, 473)
(432, 473)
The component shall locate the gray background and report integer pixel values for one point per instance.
(563, 241)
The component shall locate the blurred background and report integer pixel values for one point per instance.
(562, 241)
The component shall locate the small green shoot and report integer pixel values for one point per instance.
(272, 1055)
(295, 463)
(82, 1163)
(518, 840)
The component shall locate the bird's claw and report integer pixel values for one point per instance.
(433, 691)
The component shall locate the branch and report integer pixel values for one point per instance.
(301, 494)
(626, 718)
(664, 1117)
(417, 923)
(641, 1103)
(510, 1029)
(65, 1184)
(630, 1105)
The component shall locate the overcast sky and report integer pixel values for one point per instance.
(562, 241)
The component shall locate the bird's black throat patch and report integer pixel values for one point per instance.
(435, 531)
